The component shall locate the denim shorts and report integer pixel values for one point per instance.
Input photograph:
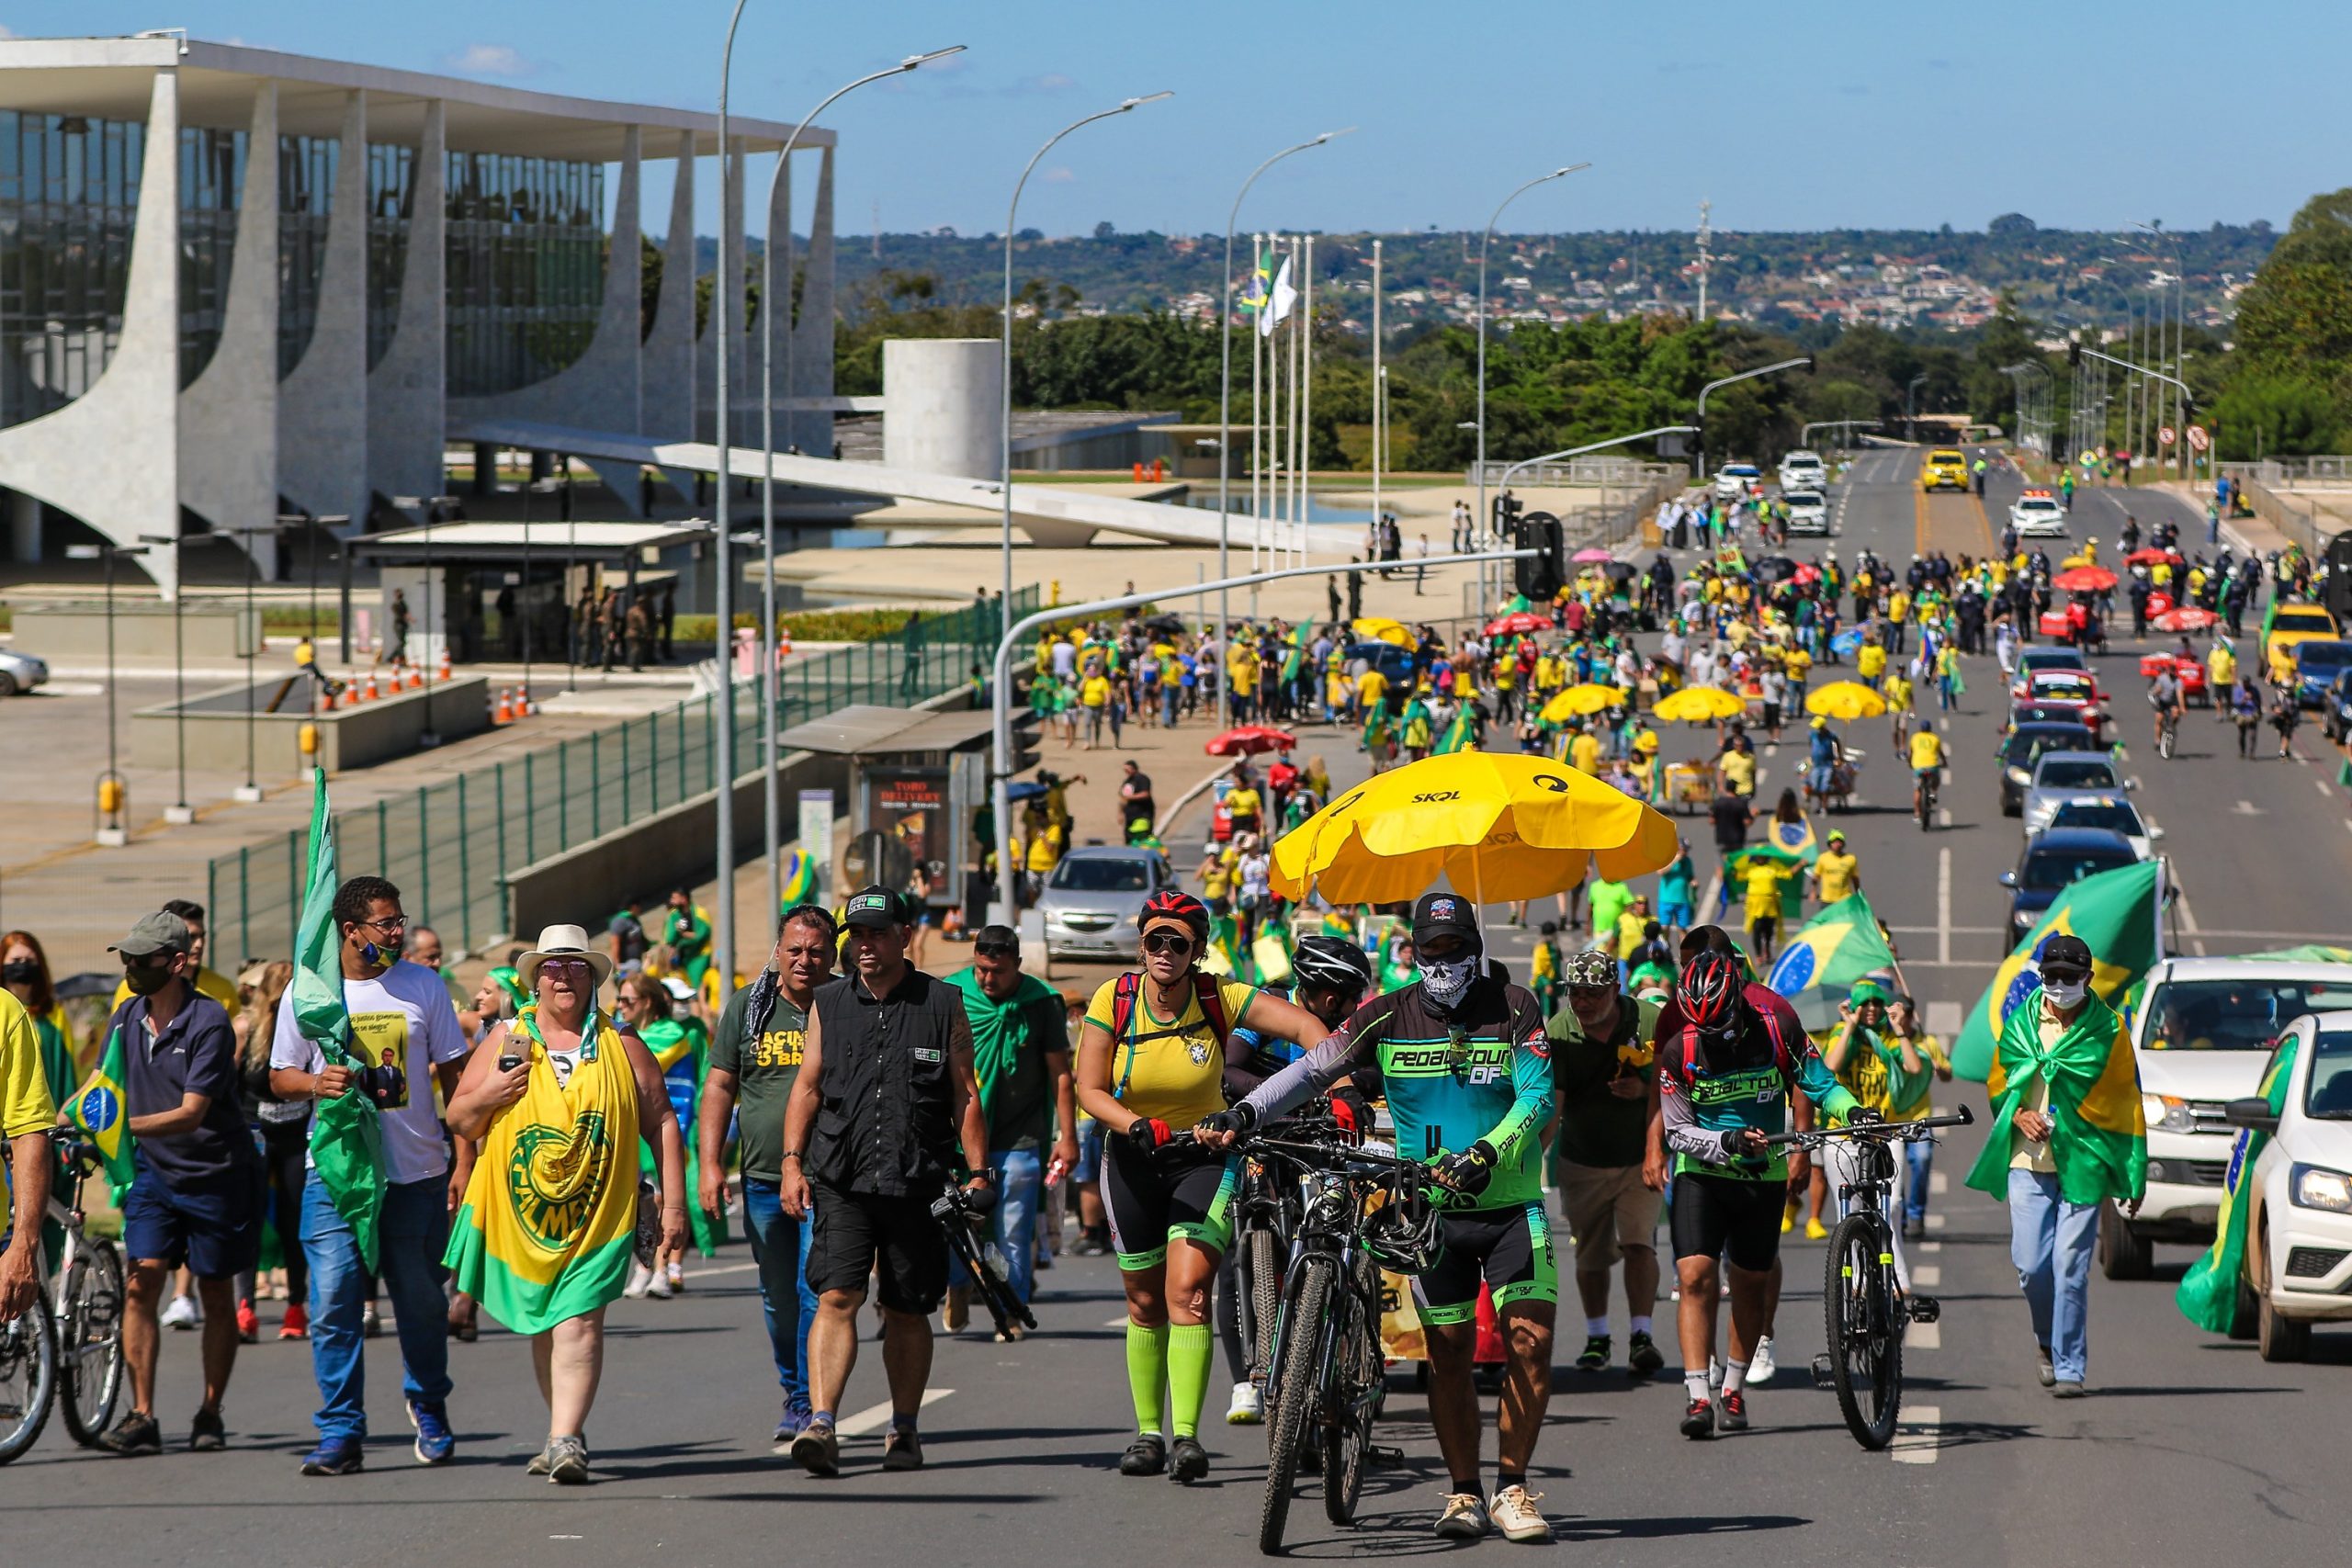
(1090, 1151)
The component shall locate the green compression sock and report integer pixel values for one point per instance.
(1147, 1372)
(1189, 1347)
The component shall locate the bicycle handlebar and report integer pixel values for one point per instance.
(1888, 1130)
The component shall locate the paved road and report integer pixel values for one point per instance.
(2191, 1449)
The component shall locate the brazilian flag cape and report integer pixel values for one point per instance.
(2207, 1295)
(2098, 1135)
(682, 1050)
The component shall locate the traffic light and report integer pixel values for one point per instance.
(1505, 508)
(1026, 750)
(1542, 575)
(2074, 351)
(2337, 593)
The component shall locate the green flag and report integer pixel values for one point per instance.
(346, 1140)
(99, 1110)
(2116, 912)
(2208, 1293)
(1826, 955)
(1297, 655)
(1460, 735)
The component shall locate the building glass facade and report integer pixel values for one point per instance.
(525, 268)
(392, 200)
(306, 167)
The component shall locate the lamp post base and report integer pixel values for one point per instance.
(249, 794)
(179, 816)
(113, 837)
(427, 738)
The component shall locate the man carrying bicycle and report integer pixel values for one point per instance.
(1725, 1069)
(1463, 1058)
(26, 1113)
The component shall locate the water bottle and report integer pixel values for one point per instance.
(994, 1258)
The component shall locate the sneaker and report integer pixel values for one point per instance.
(1465, 1518)
(1514, 1511)
(2042, 1369)
(657, 1285)
(1146, 1456)
(1735, 1411)
(1593, 1357)
(568, 1462)
(1642, 1356)
(334, 1455)
(1788, 1221)
(1248, 1406)
(818, 1448)
(371, 1324)
(182, 1313)
(206, 1432)
(435, 1441)
(135, 1434)
(1762, 1363)
(1915, 1230)
(2065, 1388)
(1699, 1419)
(902, 1451)
(248, 1323)
(677, 1272)
(957, 1310)
(639, 1276)
(1093, 1245)
(297, 1324)
(1816, 1231)
(538, 1466)
(1188, 1461)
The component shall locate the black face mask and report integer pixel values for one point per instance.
(145, 979)
(20, 972)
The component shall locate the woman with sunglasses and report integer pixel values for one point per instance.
(1151, 1060)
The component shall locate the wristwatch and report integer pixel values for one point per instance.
(788, 1154)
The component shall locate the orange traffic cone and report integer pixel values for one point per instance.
(416, 677)
(505, 714)
(523, 708)
(444, 661)
(784, 645)
(372, 694)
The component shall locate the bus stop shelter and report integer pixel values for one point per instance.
(918, 786)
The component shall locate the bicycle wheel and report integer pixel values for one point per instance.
(1302, 1347)
(1865, 1340)
(27, 1379)
(1263, 1261)
(1357, 1373)
(89, 1350)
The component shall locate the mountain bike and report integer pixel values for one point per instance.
(1863, 1307)
(2169, 724)
(87, 1304)
(1267, 1211)
(1928, 778)
(961, 1219)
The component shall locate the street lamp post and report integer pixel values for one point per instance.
(723, 599)
(1804, 360)
(1504, 482)
(1484, 527)
(1225, 400)
(1011, 214)
(250, 792)
(112, 802)
(1910, 407)
(179, 813)
(770, 304)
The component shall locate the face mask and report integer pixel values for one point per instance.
(144, 980)
(2069, 994)
(378, 958)
(1446, 981)
(23, 971)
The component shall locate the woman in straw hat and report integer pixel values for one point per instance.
(559, 1097)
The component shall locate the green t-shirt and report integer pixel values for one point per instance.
(764, 1071)
(1609, 900)
(1599, 1127)
(1009, 1040)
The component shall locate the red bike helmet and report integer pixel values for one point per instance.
(1709, 991)
(1173, 904)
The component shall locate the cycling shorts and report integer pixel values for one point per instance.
(1151, 1202)
(1728, 1215)
(1509, 1249)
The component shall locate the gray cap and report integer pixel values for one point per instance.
(159, 932)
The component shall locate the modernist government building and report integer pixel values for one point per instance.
(239, 286)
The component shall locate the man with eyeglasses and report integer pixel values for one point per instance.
(404, 1034)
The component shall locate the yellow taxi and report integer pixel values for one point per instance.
(1945, 469)
(2283, 625)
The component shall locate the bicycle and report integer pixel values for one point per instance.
(1863, 1307)
(1926, 795)
(1267, 1213)
(2168, 724)
(66, 1350)
(959, 1217)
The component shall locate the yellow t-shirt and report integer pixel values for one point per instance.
(1170, 1068)
(1871, 660)
(1094, 692)
(1584, 754)
(1797, 664)
(1543, 962)
(1898, 606)
(1927, 751)
(1738, 770)
(2222, 665)
(25, 1104)
(1242, 803)
(2025, 1154)
(1045, 848)
(1762, 880)
(1243, 676)
(1371, 685)
(1898, 693)
(1835, 874)
(1630, 927)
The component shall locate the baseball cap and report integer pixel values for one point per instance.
(2069, 954)
(159, 932)
(1443, 914)
(1866, 991)
(874, 907)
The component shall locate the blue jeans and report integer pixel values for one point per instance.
(1921, 1155)
(1020, 1180)
(2050, 1241)
(780, 1247)
(412, 1233)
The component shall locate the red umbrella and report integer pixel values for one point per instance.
(1806, 574)
(1249, 740)
(2149, 558)
(2084, 580)
(1591, 557)
(1517, 621)
(2188, 618)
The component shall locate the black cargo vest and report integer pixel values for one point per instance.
(885, 1119)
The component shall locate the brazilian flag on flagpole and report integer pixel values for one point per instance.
(2118, 913)
(99, 1110)
(1297, 655)
(2208, 1293)
(346, 1138)
(1261, 287)
(1824, 958)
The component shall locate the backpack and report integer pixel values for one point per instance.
(1123, 994)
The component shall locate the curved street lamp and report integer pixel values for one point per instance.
(1483, 523)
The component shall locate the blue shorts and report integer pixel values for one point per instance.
(1675, 915)
(211, 1223)
(1090, 1151)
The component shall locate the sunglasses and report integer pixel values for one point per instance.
(2063, 976)
(1592, 991)
(1167, 941)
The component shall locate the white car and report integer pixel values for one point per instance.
(2104, 809)
(1808, 512)
(1803, 470)
(2037, 515)
(1732, 480)
(20, 672)
(2299, 1232)
(2201, 1037)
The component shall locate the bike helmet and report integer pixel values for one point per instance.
(1709, 990)
(1403, 1234)
(1172, 904)
(1330, 964)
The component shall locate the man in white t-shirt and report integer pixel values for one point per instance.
(404, 1034)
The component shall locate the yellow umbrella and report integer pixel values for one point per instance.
(1700, 704)
(1585, 699)
(1380, 628)
(1497, 825)
(1846, 700)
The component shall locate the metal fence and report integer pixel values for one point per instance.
(1579, 471)
(2294, 470)
(449, 847)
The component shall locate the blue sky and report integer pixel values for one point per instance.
(1832, 115)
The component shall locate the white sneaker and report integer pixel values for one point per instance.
(1762, 1365)
(1513, 1509)
(677, 1275)
(1247, 1408)
(640, 1275)
(1465, 1518)
(182, 1313)
(657, 1285)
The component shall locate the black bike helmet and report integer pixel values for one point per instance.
(1709, 991)
(1173, 904)
(1403, 1234)
(1329, 964)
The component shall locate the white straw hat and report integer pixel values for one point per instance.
(561, 942)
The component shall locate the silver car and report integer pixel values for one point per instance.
(2065, 775)
(1091, 901)
(20, 672)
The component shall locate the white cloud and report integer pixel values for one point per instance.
(489, 60)
(1057, 176)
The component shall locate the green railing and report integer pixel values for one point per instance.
(449, 847)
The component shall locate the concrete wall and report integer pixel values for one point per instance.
(322, 404)
(407, 387)
(142, 629)
(946, 402)
(228, 415)
(348, 738)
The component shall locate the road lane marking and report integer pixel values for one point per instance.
(728, 1268)
(1944, 1021)
(1943, 815)
(1916, 1436)
(1928, 1276)
(2321, 786)
(1932, 1246)
(874, 1417)
(1938, 1182)
(2247, 808)
(2188, 919)
(1935, 1222)
(1943, 905)
(1118, 1322)
(1924, 1337)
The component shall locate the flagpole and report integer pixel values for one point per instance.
(1379, 388)
(1257, 392)
(1306, 419)
(1297, 382)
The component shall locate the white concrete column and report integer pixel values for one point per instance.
(409, 387)
(944, 405)
(812, 341)
(730, 273)
(667, 378)
(228, 415)
(322, 404)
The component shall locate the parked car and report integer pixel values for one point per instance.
(1803, 470)
(1090, 901)
(2317, 665)
(2057, 774)
(1735, 479)
(2335, 708)
(2024, 745)
(2037, 515)
(2112, 812)
(2201, 1035)
(2284, 626)
(1808, 511)
(20, 672)
(2053, 861)
(2299, 1232)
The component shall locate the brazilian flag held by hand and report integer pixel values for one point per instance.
(346, 1138)
(2116, 912)
(1822, 960)
(98, 1110)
